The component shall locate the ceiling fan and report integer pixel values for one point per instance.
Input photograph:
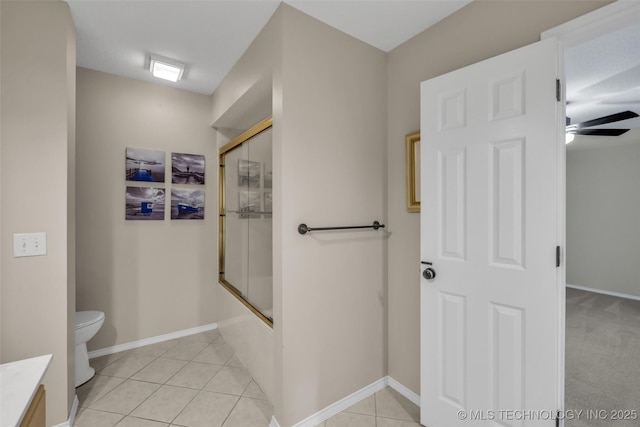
(583, 127)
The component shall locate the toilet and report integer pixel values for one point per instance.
(88, 323)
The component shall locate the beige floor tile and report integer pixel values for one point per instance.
(346, 419)
(235, 362)
(254, 391)
(157, 349)
(126, 365)
(185, 350)
(126, 397)
(215, 334)
(139, 422)
(205, 385)
(92, 418)
(229, 380)
(366, 406)
(207, 410)
(206, 337)
(250, 412)
(388, 422)
(215, 353)
(160, 370)
(194, 375)
(128, 390)
(97, 387)
(98, 363)
(165, 404)
(391, 404)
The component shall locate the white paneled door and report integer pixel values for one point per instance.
(491, 316)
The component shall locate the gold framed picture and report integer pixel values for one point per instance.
(412, 148)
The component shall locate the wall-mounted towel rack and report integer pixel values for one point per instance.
(304, 228)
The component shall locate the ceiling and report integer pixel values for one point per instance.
(209, 36)
(603, 77)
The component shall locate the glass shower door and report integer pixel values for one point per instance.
(245, 222)
(260, 262)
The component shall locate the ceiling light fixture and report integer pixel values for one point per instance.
(569, 137)
(166, 69)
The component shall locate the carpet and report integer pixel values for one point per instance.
(602, 373)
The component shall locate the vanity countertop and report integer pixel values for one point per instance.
(18, 384)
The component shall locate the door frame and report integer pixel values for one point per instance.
(579, 30)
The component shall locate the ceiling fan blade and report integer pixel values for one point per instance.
(607, 119)
(600, 132)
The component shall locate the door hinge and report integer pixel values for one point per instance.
(557, 256)
(558, 90)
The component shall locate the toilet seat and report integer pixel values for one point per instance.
(87, 318)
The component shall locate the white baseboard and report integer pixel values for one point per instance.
(74, 410)
(352, 399)
(604, 292)
(72, 414)
(152, 340)
(405, 391)
(342, 404)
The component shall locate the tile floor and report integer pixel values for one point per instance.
(386, 408)
(197, 381)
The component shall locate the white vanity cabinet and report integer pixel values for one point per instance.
(22, 395)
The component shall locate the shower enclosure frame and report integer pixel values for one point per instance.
(236, 142)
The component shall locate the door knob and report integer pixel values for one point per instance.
(428, 273)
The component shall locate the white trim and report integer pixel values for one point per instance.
(403, 390)
(597, 23)
(604, 292)
(152, 340)
(74, 410)
(72, 414)
(341, 405)
(352, 399)
(561, 227)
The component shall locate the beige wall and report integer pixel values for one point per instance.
(332, 173)
(244, 97)
(71, 215)
(38, 91)
(478, 31)
(149, 277)
(328, 101)
(251, 339)
(603, 207)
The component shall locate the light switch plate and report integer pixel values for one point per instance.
(29, 244)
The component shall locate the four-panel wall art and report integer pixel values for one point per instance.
(147, 199)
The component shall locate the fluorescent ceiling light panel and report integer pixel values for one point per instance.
(165, 68)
